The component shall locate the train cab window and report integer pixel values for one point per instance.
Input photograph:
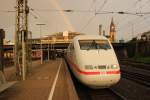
(94, 44)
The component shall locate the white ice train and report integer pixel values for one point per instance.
(93, 61)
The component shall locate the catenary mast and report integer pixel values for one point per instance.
(21, 50)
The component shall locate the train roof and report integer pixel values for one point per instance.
(89, 37)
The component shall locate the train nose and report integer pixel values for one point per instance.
(101, 81)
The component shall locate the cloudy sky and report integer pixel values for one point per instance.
(81, 19)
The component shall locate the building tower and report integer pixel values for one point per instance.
(112, 31)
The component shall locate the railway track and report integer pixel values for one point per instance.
(103, 94)
(86, 93)
(142, 79)
(135, 64)
(135, 71)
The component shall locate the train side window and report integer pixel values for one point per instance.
(71, 46)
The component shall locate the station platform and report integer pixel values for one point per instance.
(49, 81)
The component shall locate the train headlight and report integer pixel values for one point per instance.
(114, 66)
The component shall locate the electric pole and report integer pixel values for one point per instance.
(21, 39)
(2, 36)
(41, 41)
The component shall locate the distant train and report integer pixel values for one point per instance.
(93, 61)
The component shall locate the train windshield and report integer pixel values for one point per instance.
(94, 44)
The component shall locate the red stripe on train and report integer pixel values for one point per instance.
(91, 73)
(113, 72)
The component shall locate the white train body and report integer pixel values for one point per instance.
(93, 61)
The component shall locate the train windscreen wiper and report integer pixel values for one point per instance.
(92, 45)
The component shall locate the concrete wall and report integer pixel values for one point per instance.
(136, 48)
(120, 50)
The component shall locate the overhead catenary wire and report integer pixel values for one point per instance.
(36, 15)
(123, 12)
(142, 26)
(146, 21)
(102, 12)
(93, 3)
(32, 14)
(134, 21)
(7, 11)
(64, 10)
(128, 9)
(81, 11)
(138, 1)
(101, 7)
(91, 11)
(90, 20)
(103, 3)
(140, 10)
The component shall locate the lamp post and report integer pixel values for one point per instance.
(48, 38)
(41, 41)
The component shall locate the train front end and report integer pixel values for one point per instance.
(98, 63)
